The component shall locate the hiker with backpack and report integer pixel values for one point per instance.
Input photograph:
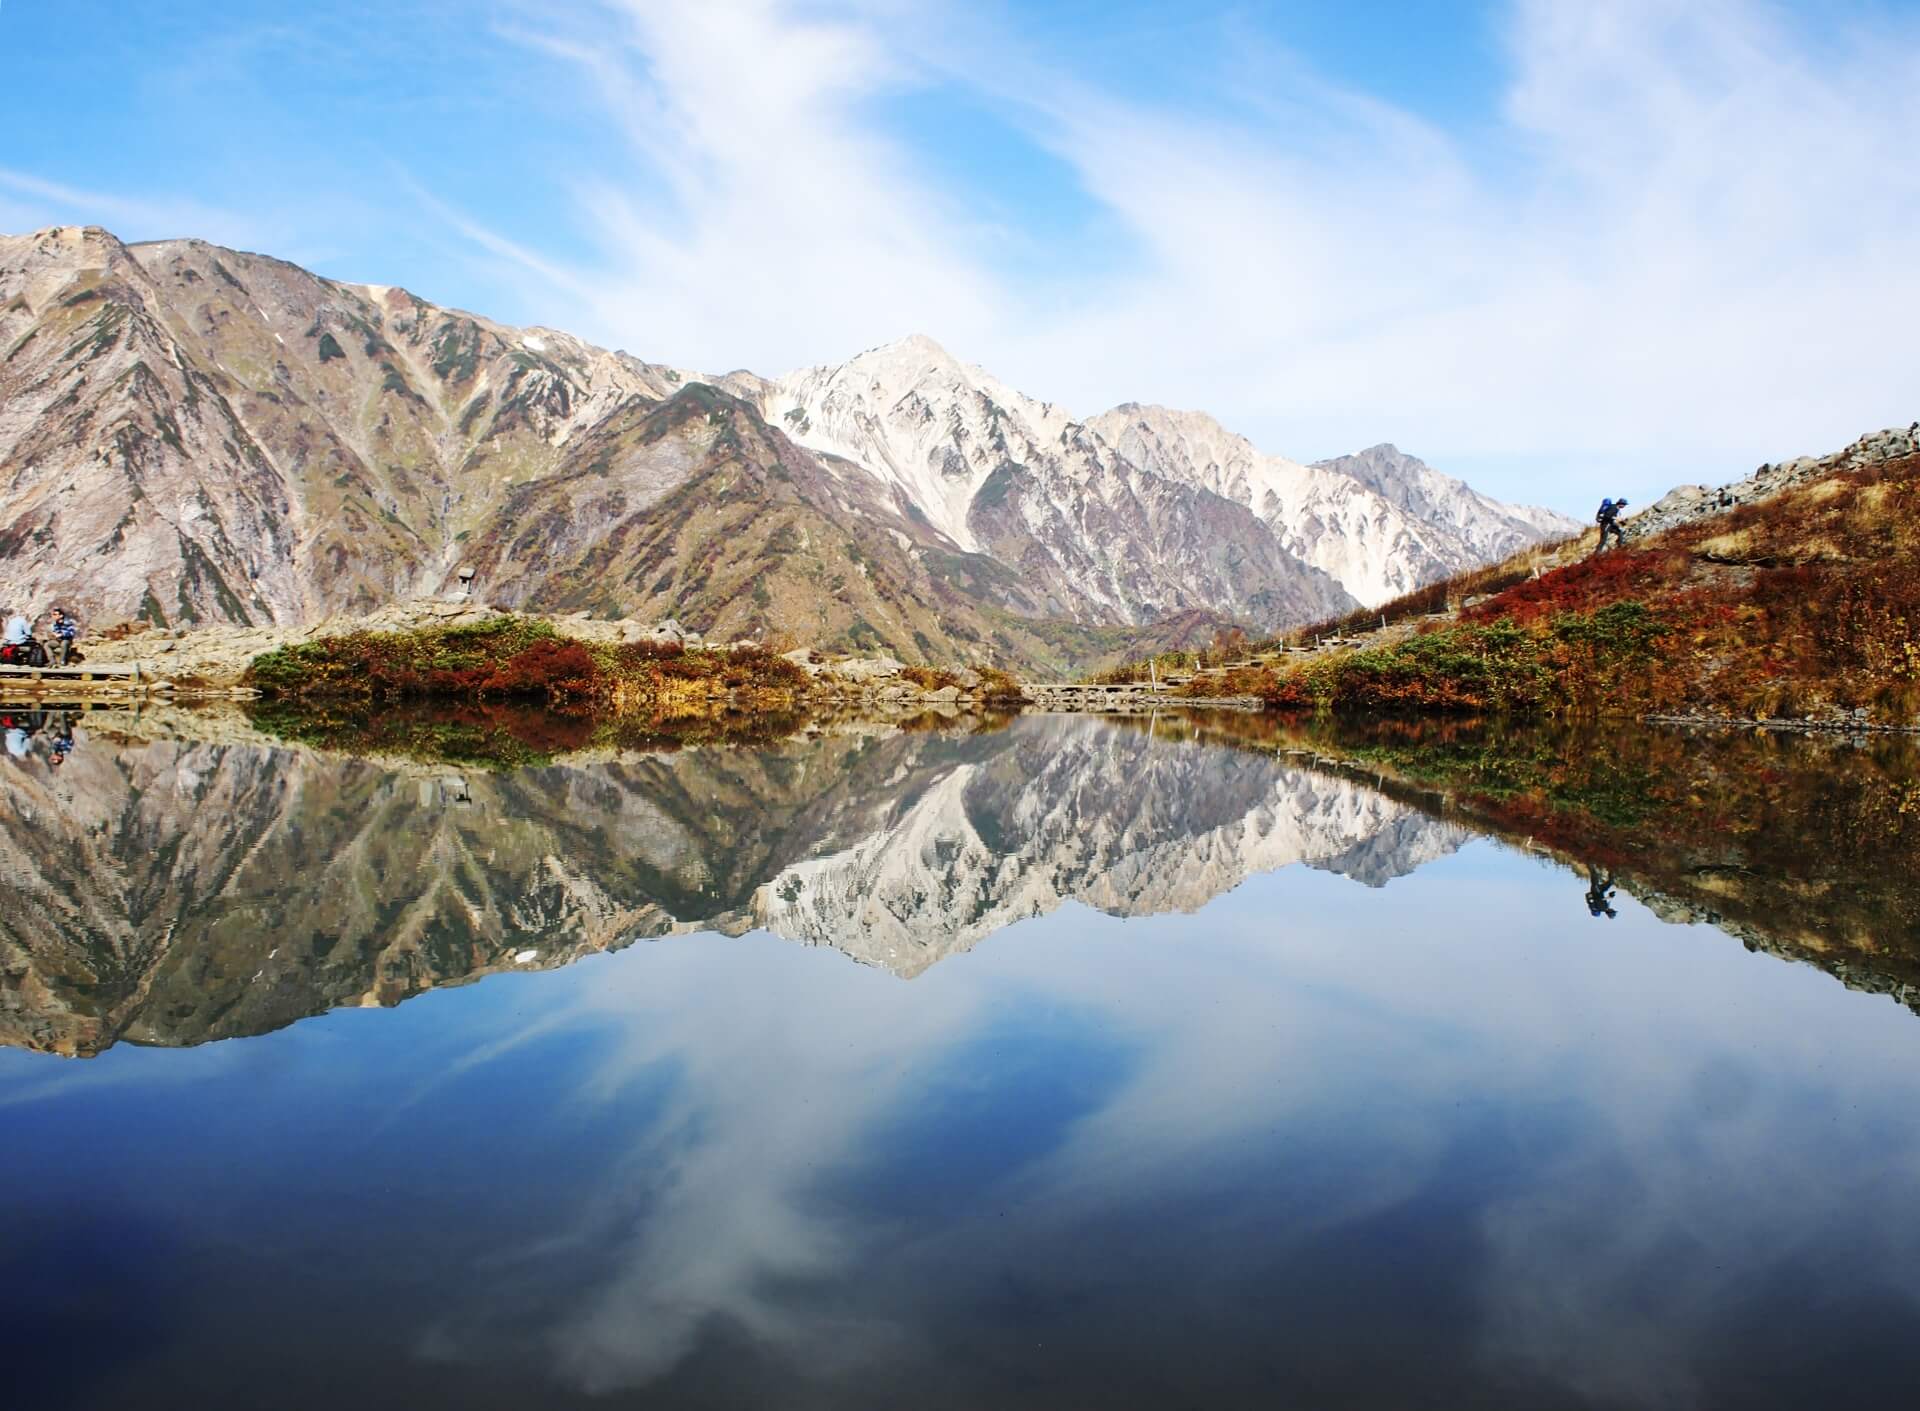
(1600, 890)
(1609, 521)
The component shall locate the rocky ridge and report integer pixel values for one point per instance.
(1098, 535)
(1685, 504)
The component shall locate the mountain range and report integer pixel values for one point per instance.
(191, 434)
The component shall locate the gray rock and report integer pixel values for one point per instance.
(867, 669)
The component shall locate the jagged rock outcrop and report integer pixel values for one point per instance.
(1462, 524)
(194, 434)
(1096, 535)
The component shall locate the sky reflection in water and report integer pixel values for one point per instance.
(1449, 1141)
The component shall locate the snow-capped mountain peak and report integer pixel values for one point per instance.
(922, 422)
(1096, 536)
(298, 446)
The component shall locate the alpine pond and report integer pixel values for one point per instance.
(1051, 1062)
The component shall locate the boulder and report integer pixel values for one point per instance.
(1681, 497)
(861, 669)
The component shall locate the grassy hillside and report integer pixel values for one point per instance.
(1805, 605)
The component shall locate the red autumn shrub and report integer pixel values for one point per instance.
(1591, 583)
(546, 668)
(634, 654)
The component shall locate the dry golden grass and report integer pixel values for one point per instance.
(1735, 544)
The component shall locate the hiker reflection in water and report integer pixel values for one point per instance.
(1600, 891)
(62, 727)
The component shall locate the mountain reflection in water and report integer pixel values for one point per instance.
(1256, 1135)
(170, 892)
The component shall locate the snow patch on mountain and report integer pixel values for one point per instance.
(1382, 523)
(1481, 525)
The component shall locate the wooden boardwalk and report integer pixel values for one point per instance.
(114, 678)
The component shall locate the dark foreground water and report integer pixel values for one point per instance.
(1065, 1065)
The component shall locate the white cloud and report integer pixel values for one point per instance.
(1685, 245)
(788, 230)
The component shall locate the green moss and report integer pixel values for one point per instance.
(330, 348)
(105, 335)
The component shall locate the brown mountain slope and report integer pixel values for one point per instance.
(192, 434)
(722, 523)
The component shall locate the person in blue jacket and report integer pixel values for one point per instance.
(1609, 521)
(65, 629)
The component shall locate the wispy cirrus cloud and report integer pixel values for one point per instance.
(772, 204)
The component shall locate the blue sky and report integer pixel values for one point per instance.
(1562, 249)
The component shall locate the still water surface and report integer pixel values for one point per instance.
(1060, 1065)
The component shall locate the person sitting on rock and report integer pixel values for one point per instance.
(18, 630)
